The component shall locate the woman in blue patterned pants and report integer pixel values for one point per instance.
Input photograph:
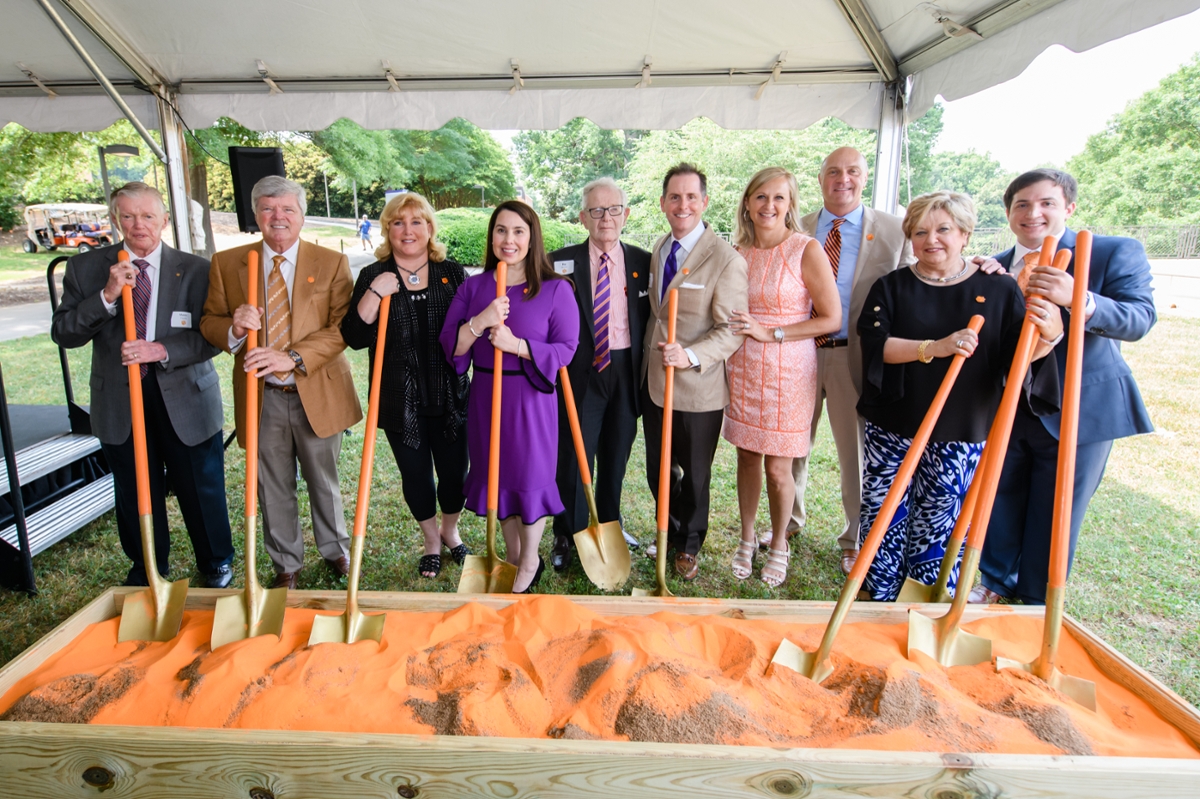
(913, 323)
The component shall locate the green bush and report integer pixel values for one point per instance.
(464, 232)
(10, 217)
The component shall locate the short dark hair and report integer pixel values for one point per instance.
(685, 168)
(1068, 184)
(537, 264)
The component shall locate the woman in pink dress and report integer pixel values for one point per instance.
(773, 377)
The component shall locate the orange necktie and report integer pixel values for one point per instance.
(279, 312)
(1031, 260)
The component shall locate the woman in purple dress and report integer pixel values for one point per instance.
(536, 326)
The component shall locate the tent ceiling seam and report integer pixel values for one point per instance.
(870, 37)
(987, 24)
(124, 52)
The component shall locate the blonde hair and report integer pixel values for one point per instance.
(960, 207)
(743, 231)
(391, 212)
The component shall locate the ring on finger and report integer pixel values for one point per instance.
(958, 343)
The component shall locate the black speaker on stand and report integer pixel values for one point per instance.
(249, 165)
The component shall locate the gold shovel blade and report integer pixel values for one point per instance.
(154, 614)
(660, 570)
(913, 591)
(947, 644)
(790, 656)
(347, 628)
(604, 555)
(1080, 690)
(479, 576)
(238, 617)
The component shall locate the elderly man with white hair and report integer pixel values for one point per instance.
(308, 395)
(611, 288)
(180, 388)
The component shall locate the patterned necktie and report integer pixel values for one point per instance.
(142, 289)
(833, 251)
(601, 313)
(1031, 260)
(670, 267)
(279, 311)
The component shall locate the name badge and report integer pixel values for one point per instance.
(181, 319)
(564, 267)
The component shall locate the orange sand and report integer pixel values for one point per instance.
(546, 667)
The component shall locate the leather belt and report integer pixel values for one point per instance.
(834, 343)
(277, 387)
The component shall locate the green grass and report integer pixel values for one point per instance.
(16, 264)
(1136, 581)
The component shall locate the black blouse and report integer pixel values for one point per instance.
(896, 396)
(417, 379)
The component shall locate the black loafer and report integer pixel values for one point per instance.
(560, 553)
(221, 578)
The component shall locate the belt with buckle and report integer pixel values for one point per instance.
(834, 343)
(278, 387)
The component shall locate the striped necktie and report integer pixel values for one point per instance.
(602, 314)
(1031, 261)
(279, 311)
(833, 251)
(142, 288)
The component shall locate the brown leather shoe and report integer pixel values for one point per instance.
(340, 567)
(981, 595)
(849, 558)
(287, 580)
(687, 566)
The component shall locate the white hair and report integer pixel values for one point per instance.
(275, 186)
(130, 189)
(601, 183)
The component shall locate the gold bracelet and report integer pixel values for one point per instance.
(921, 351)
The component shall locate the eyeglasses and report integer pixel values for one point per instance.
(598, 213)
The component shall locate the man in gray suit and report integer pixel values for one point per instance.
(180, 387)
(863, 245)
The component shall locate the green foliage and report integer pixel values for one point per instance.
(980, 176)
(557, 164)
(464, 232)
(922, 136)
(1145, 168)
(730, 158)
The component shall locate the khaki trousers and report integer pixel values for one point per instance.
(285, 437)
(836, 389)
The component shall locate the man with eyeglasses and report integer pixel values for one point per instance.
(611, 288)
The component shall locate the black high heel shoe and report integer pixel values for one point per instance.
(536, 577)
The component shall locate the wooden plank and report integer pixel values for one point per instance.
(1123, 671)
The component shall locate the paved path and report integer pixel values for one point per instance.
(18, 321)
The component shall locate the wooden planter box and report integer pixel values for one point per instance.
(56, 761)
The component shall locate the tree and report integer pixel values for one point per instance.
(980, 176)
(557, 164)
(1145, 167)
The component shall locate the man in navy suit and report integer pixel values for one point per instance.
(614, 304)
(1120, 307)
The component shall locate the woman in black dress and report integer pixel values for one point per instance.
(422, 399)
(914, 321)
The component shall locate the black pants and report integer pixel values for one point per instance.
(608, 420)
(417, 465)
(694, 438)
(197, 476)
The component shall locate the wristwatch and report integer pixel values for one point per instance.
(779, 334)
(296, 359)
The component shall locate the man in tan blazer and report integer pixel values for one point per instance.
(712, 281)
(870, 244)
(307, 395)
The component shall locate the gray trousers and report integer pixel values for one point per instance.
(285, 437)
(835, 388)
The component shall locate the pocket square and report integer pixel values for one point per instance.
(643, 294)
(686, 285)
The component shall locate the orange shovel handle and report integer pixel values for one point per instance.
(664, 466)
(252, 384)
(909, 465)
(493, 486)
(1068, 432)
(368, 453)
(141, 461)
(576, 433)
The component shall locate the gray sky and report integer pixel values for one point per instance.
(1091, 87)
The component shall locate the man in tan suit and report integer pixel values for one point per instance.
(869, 244)
(307, 397)
(712, 281)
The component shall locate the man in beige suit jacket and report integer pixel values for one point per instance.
(872, 244)
(712, 281)
(307, 395)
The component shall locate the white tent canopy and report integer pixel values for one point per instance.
(535, 64)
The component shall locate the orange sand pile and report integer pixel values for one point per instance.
(546, 667)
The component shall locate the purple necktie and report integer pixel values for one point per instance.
(141, 303)
(601, 313)
(670, 268)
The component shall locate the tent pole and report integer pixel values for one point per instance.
(176, 169)
(889, 146)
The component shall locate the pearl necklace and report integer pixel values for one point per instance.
(931, 279)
